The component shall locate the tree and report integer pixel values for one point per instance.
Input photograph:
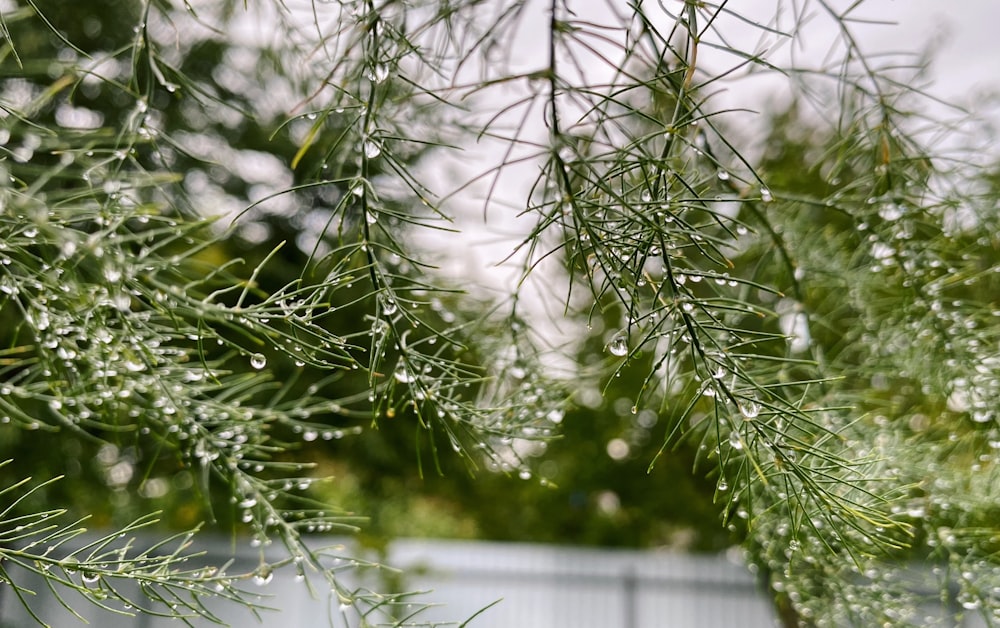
(772, 312)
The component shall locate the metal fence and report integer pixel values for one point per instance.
(538, 587)
(561, 587)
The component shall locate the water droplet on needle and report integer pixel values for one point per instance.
(618, 346)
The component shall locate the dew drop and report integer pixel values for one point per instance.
(263, 575)
(389, 305)
(618, 345)
(735, 441)
(258, 361)
(749, 408)
(766, 196)
(372, 149)
(890, 212)
(379, 73)
(403, 375)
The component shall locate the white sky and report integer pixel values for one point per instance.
(966, 63)
(968, 58)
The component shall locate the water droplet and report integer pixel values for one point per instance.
(373, 148)
(723, 175)
(890, 212)
(310, 435)
(524, 474)
(379, 73)
(618, 345)
(403, 375)
(749, 408)
(263, 575)
(735, 441)
(982, 416)
(258, 361)
(766, 196)
(389, 306)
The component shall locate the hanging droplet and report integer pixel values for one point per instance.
(890, 212)
(263, 575)
(766, 196)
(258, 361)
(372, 148)
(618, 346)
(403, 375)
(749, 408)
(379, 73)
(735, 441)
(388, 304)
(723, 175)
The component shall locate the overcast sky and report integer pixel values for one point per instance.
(969, 55)
(966, 62)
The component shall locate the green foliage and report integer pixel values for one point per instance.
(213, 265)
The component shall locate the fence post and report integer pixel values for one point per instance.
(630, 584)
